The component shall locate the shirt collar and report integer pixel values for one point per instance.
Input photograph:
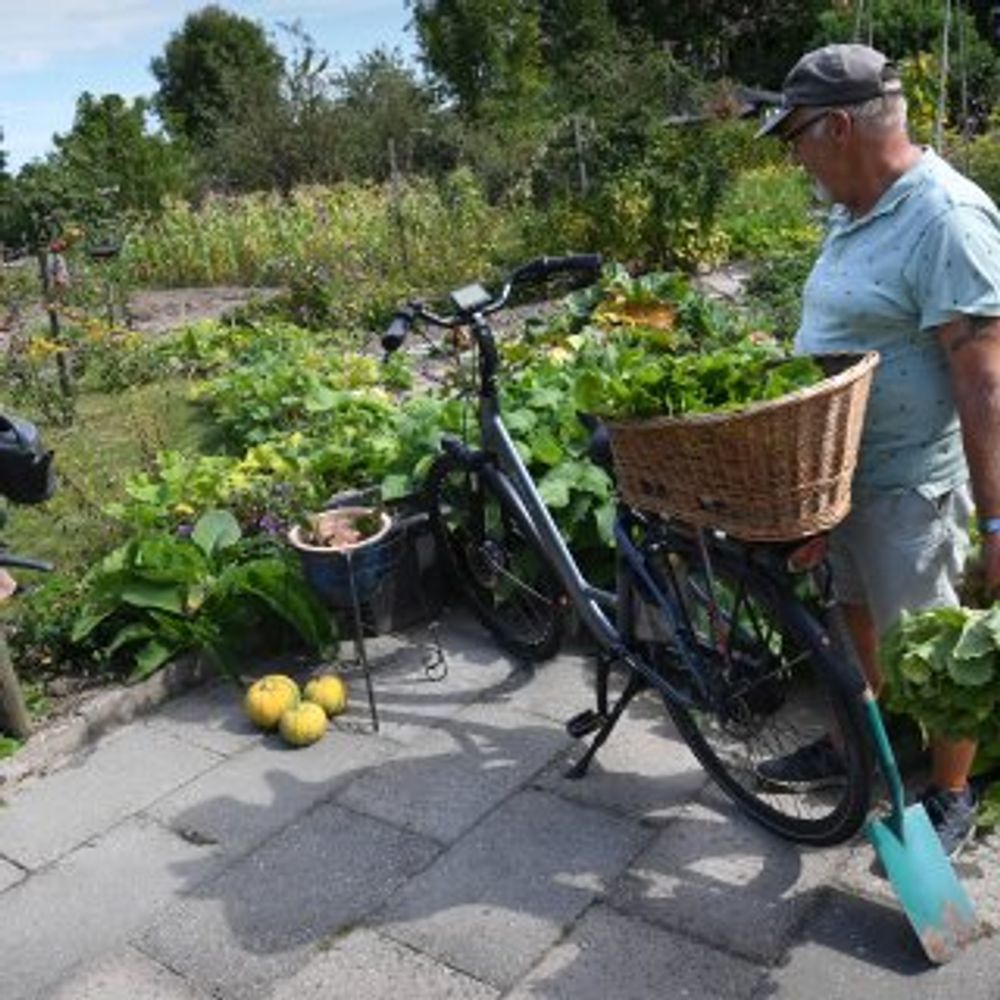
(897, 192)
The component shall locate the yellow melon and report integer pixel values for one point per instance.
(268, 698)
(303, 724)
(329, 691)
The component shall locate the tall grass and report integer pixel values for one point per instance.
(373, 243)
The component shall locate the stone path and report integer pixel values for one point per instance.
(186, 856)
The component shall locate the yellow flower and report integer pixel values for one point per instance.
(42, 348)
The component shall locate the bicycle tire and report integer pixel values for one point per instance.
(492, 553)
(780, 687)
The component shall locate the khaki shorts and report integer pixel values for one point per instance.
(901, 550)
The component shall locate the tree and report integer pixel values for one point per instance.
(217, 60)
(482, 49)
(906, 28)
(755, 42)
(106, 165)
(380, 103)
(109, 150)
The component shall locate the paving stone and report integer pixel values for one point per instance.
(556, 689)
(118, 777)
(498, 899)
(409, 699)
(366, 966)
(610, 955)
(719, 877)
(9, 874)
(644, 769)
(445, 782)
(86, 904)
(211, 717)
(124, 975)
(859, 947)
(259, 921)
(252, 795)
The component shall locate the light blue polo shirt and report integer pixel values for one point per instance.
(928, 251)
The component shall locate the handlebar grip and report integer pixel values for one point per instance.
(399, 328)
(24, 562)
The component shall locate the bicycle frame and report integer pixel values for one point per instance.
(593, 604)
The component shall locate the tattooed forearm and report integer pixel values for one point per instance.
(972, 328)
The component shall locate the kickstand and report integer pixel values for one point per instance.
(607, 723)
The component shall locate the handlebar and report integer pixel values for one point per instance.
(535, 270)
(24, 562)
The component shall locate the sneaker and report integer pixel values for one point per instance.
(815, 765)
(953, 816)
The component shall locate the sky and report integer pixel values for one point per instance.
(53, 50)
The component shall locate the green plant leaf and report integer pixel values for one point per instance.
(150, 658)
(395, 486)
(134, 632)
(90, 617)
(554, 488)
(216, 530)
(974, 672)
(977, 638)
(147, 594)
(546, 449)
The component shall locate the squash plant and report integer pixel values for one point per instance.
(161, 594)
(942, 667)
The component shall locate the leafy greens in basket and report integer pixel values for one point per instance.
(627, 377)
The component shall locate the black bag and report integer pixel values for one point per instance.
(26, 474)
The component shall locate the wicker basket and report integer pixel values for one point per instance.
(774, 471)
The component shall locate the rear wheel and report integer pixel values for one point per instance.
(496, 560)
(777, 687)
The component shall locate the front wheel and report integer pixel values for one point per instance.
(780, 701)
(495, 558)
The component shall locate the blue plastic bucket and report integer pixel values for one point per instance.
(329, 570)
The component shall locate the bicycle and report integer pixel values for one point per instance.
(711, 624)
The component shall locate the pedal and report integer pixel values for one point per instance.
(585, 723)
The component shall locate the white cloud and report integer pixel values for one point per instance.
(33, 34)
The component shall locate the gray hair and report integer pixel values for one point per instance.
(879, 115)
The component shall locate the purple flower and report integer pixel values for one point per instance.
(184, 530)
(270, 524)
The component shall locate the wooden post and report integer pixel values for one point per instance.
(397, 207)
(943, 90)
(48, 294)
(14, 716)
(581, 162)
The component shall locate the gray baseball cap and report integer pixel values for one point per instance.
(832, 77)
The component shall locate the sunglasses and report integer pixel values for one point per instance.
(791, 136)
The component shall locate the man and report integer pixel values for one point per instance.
(910, 267)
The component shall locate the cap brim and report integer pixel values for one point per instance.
(773, 122)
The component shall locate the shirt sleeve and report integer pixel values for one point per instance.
(955, 268)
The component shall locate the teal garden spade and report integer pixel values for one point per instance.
(921, 874)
